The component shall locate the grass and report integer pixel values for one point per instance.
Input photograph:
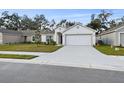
(14, 56)
(106, 49)
(29, 47)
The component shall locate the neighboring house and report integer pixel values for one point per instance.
(114, 36)
(74, 35)
(11, 36)
(7, 36)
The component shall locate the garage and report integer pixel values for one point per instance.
(79, 35)
(78, 40)
(122, 39)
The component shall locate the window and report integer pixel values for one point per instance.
(33, 38)
(25, 38)
(49, 38)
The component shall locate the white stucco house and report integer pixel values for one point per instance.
(114, 36)
(74, 35)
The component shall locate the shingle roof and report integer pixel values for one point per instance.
(28, 32)
(9, 31)
(116, 27)
(47, 31)
(112, 29)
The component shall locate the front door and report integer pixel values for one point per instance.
(25, 38)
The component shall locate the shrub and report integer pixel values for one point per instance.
(100, 42)
(44, 43)
(51, 42)
(28, 42)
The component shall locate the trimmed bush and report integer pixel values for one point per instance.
(100, 42)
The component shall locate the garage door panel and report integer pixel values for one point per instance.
(78, 40)
(122, 39)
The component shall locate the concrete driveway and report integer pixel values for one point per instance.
(75, 56)
(81, 56)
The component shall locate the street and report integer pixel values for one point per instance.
(35, 73)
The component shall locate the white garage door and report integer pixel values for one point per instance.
(122, 39)
(78, 40)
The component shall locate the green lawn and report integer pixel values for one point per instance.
(14, 56)
(29, 47)
(106, 49)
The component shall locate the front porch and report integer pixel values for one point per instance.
(59, 40)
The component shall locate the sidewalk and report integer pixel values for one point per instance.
(23, 53)
(49, 59)
(88, 65)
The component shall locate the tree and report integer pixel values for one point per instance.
(52, 23)
(92, 17)
(68, 24)
(112, 23)
(10, 21)
(95, 24)
(103, 16)
(28, 23)
(1, 22)
(5, 19)
(62, 22)
(65, 23)
(37, 37)
(15, 22)
(100, 21)
(40, 20)
(5, 15)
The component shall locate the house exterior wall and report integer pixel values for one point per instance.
(94, 38)
(11, 38)
(122, 39)
(59, 29)
(1, 38)
(79, 30)
(119, 32)
(110, 39)
(29, 38)
(44, 36)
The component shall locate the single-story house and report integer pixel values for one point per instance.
(11, 36)
(7, 36)
(114, 36)
(74, 35)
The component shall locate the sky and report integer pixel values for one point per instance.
(78, 15)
